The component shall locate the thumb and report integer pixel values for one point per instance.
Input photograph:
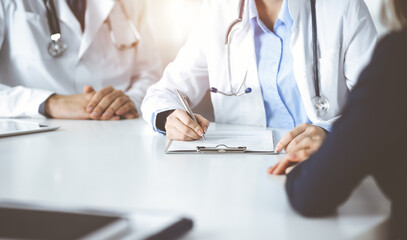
(88, 89)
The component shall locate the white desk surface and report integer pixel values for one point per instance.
(122, 165)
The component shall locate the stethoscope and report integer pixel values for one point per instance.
(57, 47)
(321, 104)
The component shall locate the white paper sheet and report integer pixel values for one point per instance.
(258, 141)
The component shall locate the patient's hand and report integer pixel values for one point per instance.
(303, 137)
(300, 144)
(289, 161)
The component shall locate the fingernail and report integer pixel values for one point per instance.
(106, 114)
(277, 149)
(200, 133)
(89, 109)
(205, 129)
(95, 114)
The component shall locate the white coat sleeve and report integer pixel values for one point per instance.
(187, 73)
(360, 40)
(147, 69)
(18, 101)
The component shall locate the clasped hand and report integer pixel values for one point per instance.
(106, 104)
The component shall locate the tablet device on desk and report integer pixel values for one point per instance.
(40, 223)
(28, 222)
(11, 127)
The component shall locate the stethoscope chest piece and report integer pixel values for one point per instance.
(321, 105)
(57, 46)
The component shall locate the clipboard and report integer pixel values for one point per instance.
(221, 148)
(226, 142)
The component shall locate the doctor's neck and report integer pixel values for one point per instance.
(269, 11)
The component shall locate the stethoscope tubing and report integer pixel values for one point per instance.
(52, 17)
(315, 48)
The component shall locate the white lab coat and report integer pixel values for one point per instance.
(346, 36)
(29, 75)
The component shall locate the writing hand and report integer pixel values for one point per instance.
(180, 126)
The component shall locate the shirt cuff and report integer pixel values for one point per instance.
(154, 120)
(41, 109)
(325, 126)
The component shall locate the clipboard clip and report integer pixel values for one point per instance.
(221, 148)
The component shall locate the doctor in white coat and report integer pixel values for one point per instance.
(271, 54)
(103, 47)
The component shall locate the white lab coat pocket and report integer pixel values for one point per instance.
(329, 68)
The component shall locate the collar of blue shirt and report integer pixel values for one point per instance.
(284, 18)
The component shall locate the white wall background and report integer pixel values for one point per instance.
(172, 20)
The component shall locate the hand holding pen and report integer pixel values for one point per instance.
(184, 102)
(184, 125)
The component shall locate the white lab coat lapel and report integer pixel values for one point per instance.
(244, 65)
(301, 47)
(97, 12)
(66, 16)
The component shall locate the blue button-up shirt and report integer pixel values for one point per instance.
(282, 99)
